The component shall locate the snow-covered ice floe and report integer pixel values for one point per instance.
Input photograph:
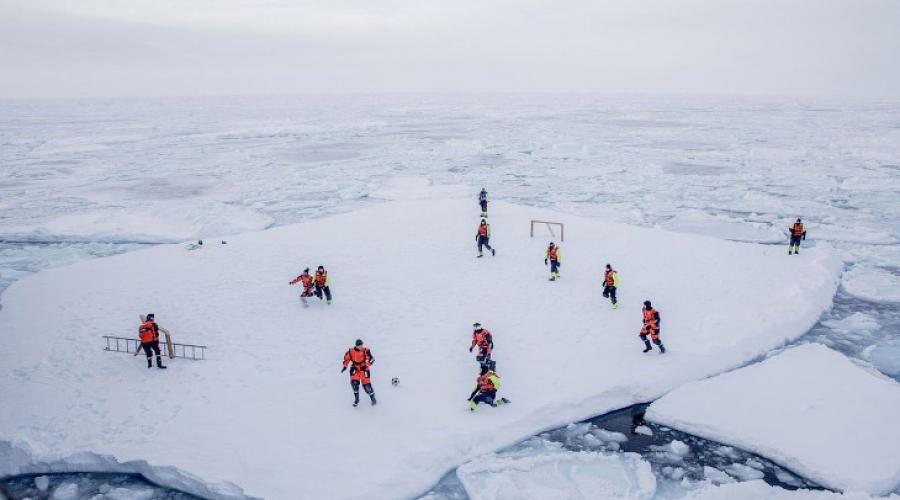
(872, 283)
(759, 490)
(269, 410)
(809, 409)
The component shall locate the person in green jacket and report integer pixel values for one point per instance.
(486, 387)
(610, 284)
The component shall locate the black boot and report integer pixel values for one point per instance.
(159, 363)
(355, 399)
(647, 347)
(373, 399)
(662, 349)
(149, 363)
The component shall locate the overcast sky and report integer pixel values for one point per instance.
(54, 48)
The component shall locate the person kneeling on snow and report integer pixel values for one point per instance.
(486, 386)
(322, 283)
(149, 334)
(362, 360)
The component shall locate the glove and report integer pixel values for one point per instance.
(558, 264)
(343, 369)
(470, 349)
(804, 236)
(545, 262)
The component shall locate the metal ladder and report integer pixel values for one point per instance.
(130, 345)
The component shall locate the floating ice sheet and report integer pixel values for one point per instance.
(809, 409)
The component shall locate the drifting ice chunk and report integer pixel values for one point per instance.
(809, 409)
(870, 283)
(885, 356)
(743, 472)
(65, 492)
(716, 476)
(42, 483)
(679, 448)
(558, 475)
(855, 322)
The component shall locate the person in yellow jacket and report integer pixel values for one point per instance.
(610, 284)
(486, 387)
(555, 259)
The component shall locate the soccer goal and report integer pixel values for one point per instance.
(550, 225)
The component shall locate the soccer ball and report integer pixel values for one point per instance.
(395, 381)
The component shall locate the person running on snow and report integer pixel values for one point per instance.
(486, 386)
(483, 201)
(651, 328)
(797, 232)
(483, 237)
(555, 259)
(362, 361)
(307, 282)
(484, 340)
(149, 334)
(610, 283)
(321, 281)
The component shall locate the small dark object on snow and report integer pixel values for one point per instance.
(395, 381)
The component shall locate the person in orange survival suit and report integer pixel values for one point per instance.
(651, 328)
(323, 285)
(484, 340)
(797, 232)
(149, 334)
(362, 360)
(552, 255)
(486, 386)
(307, 281)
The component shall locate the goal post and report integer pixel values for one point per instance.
(550, 225)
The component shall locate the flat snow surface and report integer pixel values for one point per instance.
(809, 409)
(269, 410)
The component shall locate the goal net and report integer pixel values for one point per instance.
(553, 228)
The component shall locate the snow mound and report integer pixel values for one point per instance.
(561, 474)
(871, 283)
(809, 409)
(405, 279)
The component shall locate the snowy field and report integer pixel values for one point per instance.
(86, 179)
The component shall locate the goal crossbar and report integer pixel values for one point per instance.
(550, 224)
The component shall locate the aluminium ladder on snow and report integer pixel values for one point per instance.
(130, 345)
